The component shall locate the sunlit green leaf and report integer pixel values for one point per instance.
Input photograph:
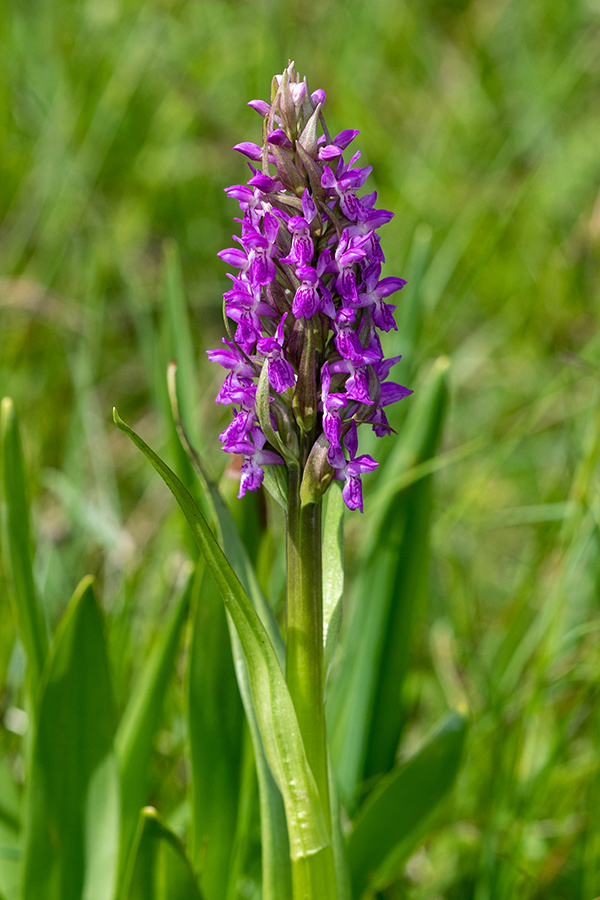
(10, 803)
(271, 700)
(212, 813)
(333, 570)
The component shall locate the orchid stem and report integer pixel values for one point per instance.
(304, 668)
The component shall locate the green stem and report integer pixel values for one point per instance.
(313, 877)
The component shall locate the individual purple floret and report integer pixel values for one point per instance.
(308, 302)
(351, 471)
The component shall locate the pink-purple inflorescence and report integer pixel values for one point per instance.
(308, 301)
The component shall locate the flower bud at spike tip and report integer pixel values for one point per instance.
(307, 304)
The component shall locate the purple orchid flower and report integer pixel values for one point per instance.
(255, 457)
(345, 183)
(351, 470)
(332, 406)
(374, 292)
(312, 295)
(348, 251)
(281, 373)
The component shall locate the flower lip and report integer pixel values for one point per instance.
(279, 138)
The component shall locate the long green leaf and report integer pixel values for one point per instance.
(275, 846)
(215, 720)
(233, 546)
(407, 578)
(141, 719)
(11, 867)
(406, 573)
(160, 869)
(271, 700)
(72, 843)
(390, 823)
(333, 570)
(30, 617)
(276, 884)
(11, 862)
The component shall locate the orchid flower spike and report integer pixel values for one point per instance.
(308, 302)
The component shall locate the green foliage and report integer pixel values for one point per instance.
(141, 719)
(366, 706)
(270, 697)
(71, 844)
(159, 870)
(481, 123)
(215, 733)
(29, 612)
(389, 824)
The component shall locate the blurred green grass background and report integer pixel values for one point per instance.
(482, 122)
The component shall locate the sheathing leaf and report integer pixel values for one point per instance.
(272, 703)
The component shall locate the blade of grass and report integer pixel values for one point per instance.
(389, 824)
(365, 707)
(29, 613)
(275, 844)
(179, 338)
(160, 869)
(233, 546)
(215, 720)
(10, 803)
(141, 719)
(73, 797)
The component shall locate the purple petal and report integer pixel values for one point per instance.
(391, 393)
(252, 151)
(352, 493)
(233, 257)
(364, 463)
(281, 375)
(251, 476)
(345, 137)
(308, 206)
(351, 440)
(260, 106)
(279, 138)
(264, 183)
(383, 316)
(330, 151)
(389, 286)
